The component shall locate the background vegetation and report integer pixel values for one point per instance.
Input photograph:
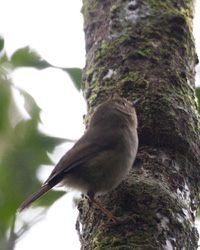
(23, 148)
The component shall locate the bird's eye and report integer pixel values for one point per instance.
(123, 103)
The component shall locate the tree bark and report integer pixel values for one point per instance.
(146, 48)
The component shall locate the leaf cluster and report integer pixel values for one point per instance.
(23, 148)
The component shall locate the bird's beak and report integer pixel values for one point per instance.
(139, 100)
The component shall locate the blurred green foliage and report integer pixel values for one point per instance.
(23, 148)
(26, 57)
(198, 97)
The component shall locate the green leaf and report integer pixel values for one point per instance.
(30, 105)
(198, 96)
(55, 141)
(26, 57)
(49, 198)
(5, 101)
(1, 43)
(76, 76)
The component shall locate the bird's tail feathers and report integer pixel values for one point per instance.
(34, 197)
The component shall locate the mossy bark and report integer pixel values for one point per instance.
(146, 48)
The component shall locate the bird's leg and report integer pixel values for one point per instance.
(105, 211)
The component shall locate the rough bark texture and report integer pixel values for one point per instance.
(146, 48)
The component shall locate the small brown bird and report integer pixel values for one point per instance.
(102, 157)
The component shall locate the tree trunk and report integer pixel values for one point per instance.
(146, 48)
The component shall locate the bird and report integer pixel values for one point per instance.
(100, 160)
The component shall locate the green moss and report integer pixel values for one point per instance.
(111, 46)
(89, 72)
(134, 77)
(170, 6)
(88, 8)
(104, 45)
(137, 241)
(161, 6)
(93, 99)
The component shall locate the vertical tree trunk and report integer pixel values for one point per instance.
(146, 48)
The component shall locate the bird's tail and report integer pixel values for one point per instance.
(34, 197)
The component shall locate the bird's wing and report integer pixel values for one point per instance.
(90, 144)
(86, 148)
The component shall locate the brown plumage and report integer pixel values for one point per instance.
(102, 157)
